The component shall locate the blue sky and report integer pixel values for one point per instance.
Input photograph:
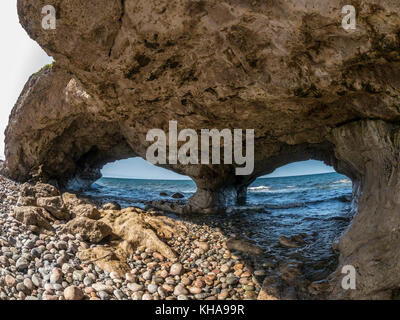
(20, 56)
(138, 168)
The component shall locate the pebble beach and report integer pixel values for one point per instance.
(44, 266)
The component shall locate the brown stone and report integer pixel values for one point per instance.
(90, 230)
(243, 246)
(55, 206)
(86, 211)
(106, 259)
(32, 216)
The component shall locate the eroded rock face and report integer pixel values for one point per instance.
(133, 228)
(32, 216)
(90, 230)
(138, 229)
(371, 150)
(287, 69)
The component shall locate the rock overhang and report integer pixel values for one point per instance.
(285, 69)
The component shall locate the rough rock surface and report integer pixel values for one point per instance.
(90, 230)
(287, 69)
(136, 229)
(106, 259)
(87, 211)
(32, 216)
(55, 206)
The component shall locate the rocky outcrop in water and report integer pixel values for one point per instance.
(287, 69)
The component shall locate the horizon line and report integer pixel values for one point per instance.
(189, 179)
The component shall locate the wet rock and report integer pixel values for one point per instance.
(269, 290)
(286, 242)
(111, 206)
(291, 271)
(250, 295)
(243, 246)
(319, 287)
(178, 196)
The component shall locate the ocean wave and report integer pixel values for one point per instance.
(299, 204)
(343, 181)
(260, 188)
(285, 205)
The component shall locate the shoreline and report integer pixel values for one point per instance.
(211, 263)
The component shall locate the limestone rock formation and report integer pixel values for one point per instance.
(87, 211)
(132, 228)
(55, 206)
(71, 200)
(111, 206)
(90, 230)
(32, 216)
(39, 205)
(106, 259)
(135, 229)
(285, 68)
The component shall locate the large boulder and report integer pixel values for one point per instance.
(105, 258)
(136, 229)
(71, 200)
(33, 216)
(55, 206)
(39, 190)
(86, 211)
(90, 230)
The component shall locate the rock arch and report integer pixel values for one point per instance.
(288, 70)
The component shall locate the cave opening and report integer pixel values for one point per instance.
(295, 214)
(304, 208)
(137, 182)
